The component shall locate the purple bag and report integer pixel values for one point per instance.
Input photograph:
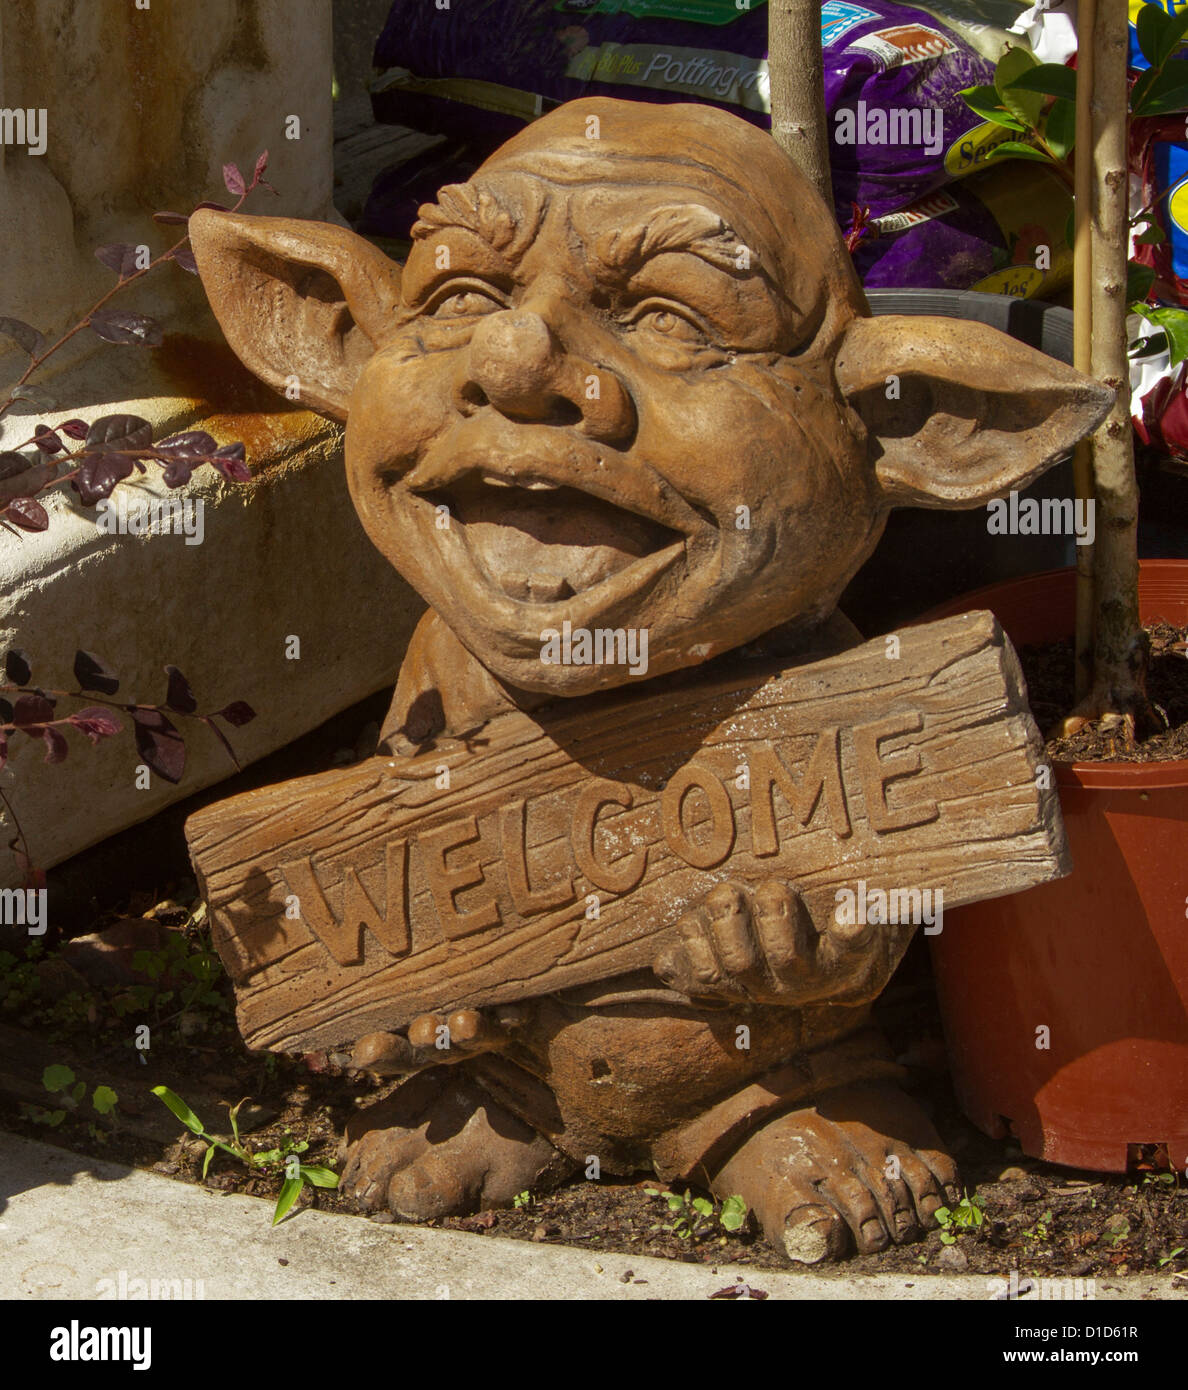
(482, 68)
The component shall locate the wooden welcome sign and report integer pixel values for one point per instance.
(560, 850)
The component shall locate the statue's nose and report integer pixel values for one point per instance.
(516, 364)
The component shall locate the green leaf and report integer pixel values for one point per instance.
(57, 1077)
(327, 1177)
(179, 1108)
(1159, 34)
(1016, 149)
(77, 1091)
(734, 1213)
(104, 1100)
(288, 1195)
(1060, 129)
(1023, 105)
(1153, 235)
(1049, 79)
(984, 101)
(675, 1203)
(948, 1238)
(1139, 279)
(1174, 323)
(55, 1117)
(1163, 94)
(206, 1158)
(701, 1205)
(234, 1114)
(652, 1192)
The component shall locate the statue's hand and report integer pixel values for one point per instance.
(761, 944)
(434, 1039)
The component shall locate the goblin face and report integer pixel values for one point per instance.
(605, 404)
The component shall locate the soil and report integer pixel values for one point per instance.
(1038, 1219)
(1049, 671)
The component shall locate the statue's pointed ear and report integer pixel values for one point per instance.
(958, 413)
(304, 300)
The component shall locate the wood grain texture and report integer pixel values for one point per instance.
(354, 900)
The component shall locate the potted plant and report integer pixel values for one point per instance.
(1066, 1008)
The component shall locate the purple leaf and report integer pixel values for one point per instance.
(93, 673)
(119, 432)
(76, 429)
(119, 256)
(170, 219)
(185, 258)
(179, 697)
(56, 747)
(234, 180)
(229, 460)
(96, 723)
(26, 513)
(11, 464)
(261, 165)
(159, 744)
(195, 444)
(17, 667)
(27, 483)
(123, 326)
(31, 712)
(98, 475)
(237, 714)
(46, 440)
(176, 472)
(24, 335)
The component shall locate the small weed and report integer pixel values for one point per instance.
(694, 1217)
(1041, 1232)
(967, 1215)
(523, 1199)
(286, 1158)
(59, 1080)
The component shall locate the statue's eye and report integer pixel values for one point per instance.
(667, 322)
(464, 302)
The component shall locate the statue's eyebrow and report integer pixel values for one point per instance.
(689, 227)
(506, 215)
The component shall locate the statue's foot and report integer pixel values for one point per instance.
(440, 1146)
(861, 1169)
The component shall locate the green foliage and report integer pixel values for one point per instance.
(694, 1217)
(967, 1215)
(1163, 88)
(522, 1200)
(59, 1080)
(284, 1157)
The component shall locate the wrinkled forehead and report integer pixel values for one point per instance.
(599, 155)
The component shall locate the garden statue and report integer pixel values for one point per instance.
(650, 827)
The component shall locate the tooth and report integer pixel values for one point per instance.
(547, 588)
(540, 485)
(492, 481)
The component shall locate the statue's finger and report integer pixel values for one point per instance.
(730, 923)
(784, 928)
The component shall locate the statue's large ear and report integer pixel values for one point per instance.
(958, 413)
(296, 299)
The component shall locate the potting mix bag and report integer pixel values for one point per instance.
(893, 75)
(1001, 232)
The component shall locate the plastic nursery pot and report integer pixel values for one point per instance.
(1098, 959)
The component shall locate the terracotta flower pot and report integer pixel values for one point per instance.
(1099, 959)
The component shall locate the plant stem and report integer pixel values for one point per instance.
(796, 72)
(1119, 657)
(1083, 331)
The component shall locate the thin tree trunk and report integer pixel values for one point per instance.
(796, 72)
(1119, 644)
(1083, 332)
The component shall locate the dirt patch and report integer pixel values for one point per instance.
(1049, 671)
(1034, 1217)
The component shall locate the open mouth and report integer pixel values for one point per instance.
(541, 542)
